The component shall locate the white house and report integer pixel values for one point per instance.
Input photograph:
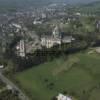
(63, 97)
(78, 14)
(17, 25)
(37, 22)
(1, 66)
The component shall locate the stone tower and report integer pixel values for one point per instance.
(56, 33)
(22, 48)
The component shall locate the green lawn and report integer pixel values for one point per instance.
(2, 85)
(76, 73)
(96, 96)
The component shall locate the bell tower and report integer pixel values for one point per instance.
(56, 33)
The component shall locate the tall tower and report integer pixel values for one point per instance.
(56, 33)
(22, 48)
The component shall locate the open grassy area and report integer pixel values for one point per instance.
(77, 74)
(2, 85)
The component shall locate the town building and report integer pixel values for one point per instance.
(98, 24)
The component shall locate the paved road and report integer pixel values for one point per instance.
(21, 95)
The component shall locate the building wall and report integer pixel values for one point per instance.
(50, 42)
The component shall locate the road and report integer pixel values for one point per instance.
(21, 95)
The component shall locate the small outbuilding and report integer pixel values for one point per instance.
(1, 66)
(63, 97)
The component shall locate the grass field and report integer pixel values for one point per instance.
(2, 85)
(77, 74)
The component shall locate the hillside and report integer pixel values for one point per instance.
(90, 8)
(75, 75)
(23, 3)
(13, 5)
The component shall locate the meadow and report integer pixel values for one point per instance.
(77, 75)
